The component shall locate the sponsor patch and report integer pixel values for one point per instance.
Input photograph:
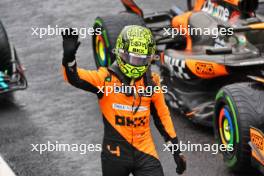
(128, 108)
(215, 10)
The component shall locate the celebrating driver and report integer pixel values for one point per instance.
(128, 146)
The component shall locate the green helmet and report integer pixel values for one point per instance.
(135, 49)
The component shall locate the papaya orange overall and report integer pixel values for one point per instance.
(128, 146)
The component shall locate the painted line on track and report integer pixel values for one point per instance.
(5, 170)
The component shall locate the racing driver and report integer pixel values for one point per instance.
(128, 146)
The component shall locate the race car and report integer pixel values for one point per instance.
(213, 80)
(12, 75)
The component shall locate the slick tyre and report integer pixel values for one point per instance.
(238, 106)
(108, 29)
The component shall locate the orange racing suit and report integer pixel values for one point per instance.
(127, 134)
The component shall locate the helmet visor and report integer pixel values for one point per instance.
(135, 59)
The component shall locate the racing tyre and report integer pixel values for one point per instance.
(238, 106)
(109, 28)
(5, 52)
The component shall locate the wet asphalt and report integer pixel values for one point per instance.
(51, 110)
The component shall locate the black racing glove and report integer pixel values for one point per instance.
(70, 45)
(178, 156)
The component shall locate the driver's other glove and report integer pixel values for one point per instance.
(178, 156)
(70, 45)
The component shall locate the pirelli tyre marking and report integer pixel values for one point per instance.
(177, 67)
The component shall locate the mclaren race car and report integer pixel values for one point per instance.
(213, 79)
(12, 76)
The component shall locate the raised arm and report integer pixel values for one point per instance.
(88, 80)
